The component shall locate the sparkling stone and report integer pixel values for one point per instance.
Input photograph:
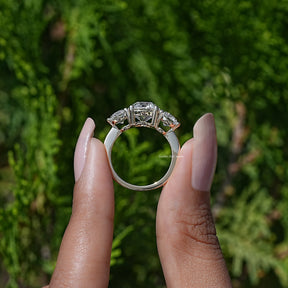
(143, 111)
(118, 117)
(168, 119)
(143, 105)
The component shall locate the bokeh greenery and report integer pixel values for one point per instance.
(62, 61)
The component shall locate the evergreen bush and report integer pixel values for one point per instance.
(62, 61)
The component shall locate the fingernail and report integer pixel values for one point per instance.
(204, 153)
(82, 146)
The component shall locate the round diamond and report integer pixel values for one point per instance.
(118, 117)
(169, 120)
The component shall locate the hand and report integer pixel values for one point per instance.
(186, 237)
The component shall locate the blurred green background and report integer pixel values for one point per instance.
(62, 61)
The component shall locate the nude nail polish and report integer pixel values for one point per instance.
(204, 157)
(82, 147)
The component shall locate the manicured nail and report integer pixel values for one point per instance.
(82, 147)
(204, 153)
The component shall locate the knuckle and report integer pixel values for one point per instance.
(196, 229)
(199, 225)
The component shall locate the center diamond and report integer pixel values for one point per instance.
(143, 111)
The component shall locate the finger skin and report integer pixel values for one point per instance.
(84, 256)
(188, 247)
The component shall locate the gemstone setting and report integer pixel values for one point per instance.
(169, 120)
(117, 118)
(144, 114)
(143, 111)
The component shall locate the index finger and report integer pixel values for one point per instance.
(84, 256)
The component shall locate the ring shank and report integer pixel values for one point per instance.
(172, 139)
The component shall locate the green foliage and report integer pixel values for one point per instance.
(61, 61)
(116, 246)
(34, 169)
(248, 226)
(134, 159)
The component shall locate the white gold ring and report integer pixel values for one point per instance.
(143, 114)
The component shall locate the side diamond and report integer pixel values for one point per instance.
(117, 118)
(169, 120)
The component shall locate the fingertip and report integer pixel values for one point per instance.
(205, 153)
(181, 175)
(207, 118)
(96, 181)
(81, 148)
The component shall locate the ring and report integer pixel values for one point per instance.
(143, 114)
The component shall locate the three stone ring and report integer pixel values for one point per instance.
(143, 114)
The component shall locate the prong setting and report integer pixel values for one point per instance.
(143, 114)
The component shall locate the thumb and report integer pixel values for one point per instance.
(188, 247)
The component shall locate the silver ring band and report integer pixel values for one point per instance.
(143, 114)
